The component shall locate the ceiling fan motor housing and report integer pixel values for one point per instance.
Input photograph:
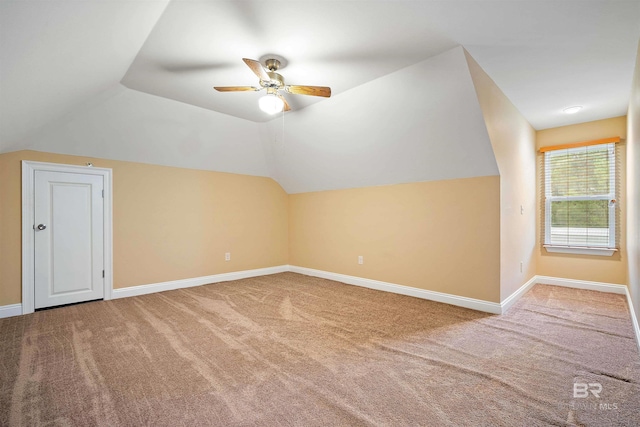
(276, 81)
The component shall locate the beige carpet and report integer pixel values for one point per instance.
(292, 350)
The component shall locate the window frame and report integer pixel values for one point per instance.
(605, 250)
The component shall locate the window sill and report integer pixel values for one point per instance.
(580, 250)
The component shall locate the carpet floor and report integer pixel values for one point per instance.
(293, 350)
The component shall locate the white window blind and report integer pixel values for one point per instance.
(580, 206)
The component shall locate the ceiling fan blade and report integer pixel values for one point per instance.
(309, 90)
(258, 69)
(286, 104)
(236, 88)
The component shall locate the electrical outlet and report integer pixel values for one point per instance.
(521, 210)
(521, 265)
(360, 259)
(227, 256)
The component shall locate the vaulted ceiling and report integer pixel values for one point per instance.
(133, 81)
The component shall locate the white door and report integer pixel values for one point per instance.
(69, 236)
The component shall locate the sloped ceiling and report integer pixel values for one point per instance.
(61, 64)
(549, 55)
(134, 126)
(421, 123)
(56, 55)
(545, 55)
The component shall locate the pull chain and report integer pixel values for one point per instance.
(283, 126)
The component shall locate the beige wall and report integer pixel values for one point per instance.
(513, 142)
(168, 223)
(586, 267)
(463, 237)
(633, 188)
(440, 235)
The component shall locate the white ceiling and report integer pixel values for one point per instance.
(403, 139)
(544, 55)
(63, 64)
(137, 127)
(56, 55)
(196, 45)
(549, 55)
(347, 141)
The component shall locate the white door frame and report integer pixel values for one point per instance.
(28, 220)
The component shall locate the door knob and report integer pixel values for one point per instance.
(42, 226)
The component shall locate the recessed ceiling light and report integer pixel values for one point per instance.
(572, 110)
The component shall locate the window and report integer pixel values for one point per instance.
(580, 207)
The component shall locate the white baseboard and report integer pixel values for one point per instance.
(558, 281)
(597, 286)
(634, 318)
(475, 304)
(582, 284)
(196, 281)
(10, 310)
(511, 299)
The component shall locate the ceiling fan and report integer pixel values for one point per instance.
(273, 102)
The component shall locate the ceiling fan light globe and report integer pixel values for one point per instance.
(271, 104)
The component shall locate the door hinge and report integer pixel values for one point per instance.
(103, 194)
(103, 274)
